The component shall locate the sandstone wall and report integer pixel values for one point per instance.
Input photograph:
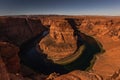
(19, 30)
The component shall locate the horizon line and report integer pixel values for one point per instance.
(60, 15)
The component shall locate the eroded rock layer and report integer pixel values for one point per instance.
(79, 75)
(9, 54)
(19, 30)
(60, 42)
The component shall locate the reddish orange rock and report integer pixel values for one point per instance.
(18, 30)
(79, 75)
(9, 53)
(4, 75)
(60, 42)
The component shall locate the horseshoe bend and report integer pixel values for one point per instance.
(57, 47)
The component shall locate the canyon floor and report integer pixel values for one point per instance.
(52, 34)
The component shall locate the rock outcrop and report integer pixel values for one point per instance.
(101, 26)
(10, 67)
(60, 42)
(19, 30)
(4, 75)
(9, 54)
(79, 75)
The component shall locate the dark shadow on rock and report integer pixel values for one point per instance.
(29, 44)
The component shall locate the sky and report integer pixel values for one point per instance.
(60, 7)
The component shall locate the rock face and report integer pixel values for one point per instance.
(101, 26)
(19, 30)
(79, 75)
(9, 61)
(4, 75)
(9, 53)
(62, 32)
(10, 67)
(60, 42)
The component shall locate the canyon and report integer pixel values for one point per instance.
(58, 47)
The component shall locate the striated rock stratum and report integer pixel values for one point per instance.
(60, 42)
